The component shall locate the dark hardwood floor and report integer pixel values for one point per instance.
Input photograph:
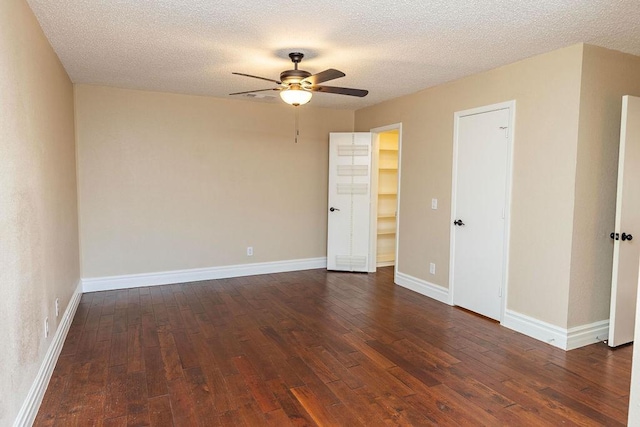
(317, 348)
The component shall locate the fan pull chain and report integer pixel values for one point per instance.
(297, 131)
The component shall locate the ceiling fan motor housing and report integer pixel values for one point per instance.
(293, 76)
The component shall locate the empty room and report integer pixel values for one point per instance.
(319, 213)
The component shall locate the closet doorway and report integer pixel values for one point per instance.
(385, 195)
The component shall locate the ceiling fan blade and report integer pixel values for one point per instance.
(340, 90)
(258, 77)
(252, 91)
(323, 76)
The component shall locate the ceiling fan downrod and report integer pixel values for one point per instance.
(296, 58)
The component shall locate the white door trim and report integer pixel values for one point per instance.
(511, 106)
(374, 194)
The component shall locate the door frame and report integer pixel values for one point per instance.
(511, 106)
(373, 222)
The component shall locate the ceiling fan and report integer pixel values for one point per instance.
(296, 87)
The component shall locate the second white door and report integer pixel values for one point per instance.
(626, 250)
(479, 209)
(349, 201)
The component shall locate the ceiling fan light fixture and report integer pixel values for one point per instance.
(294, 95)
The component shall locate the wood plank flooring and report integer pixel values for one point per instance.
(317, 348)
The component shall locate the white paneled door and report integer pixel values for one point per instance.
(626, 247)
(349, 201)
(479, 208)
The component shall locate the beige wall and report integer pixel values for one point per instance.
(171, 182)
(547, 93)
(607, 76)
(38, 218)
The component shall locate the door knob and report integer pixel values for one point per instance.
(458, 222)
(333, 209)
(626, 236)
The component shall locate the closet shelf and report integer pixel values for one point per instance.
(386, 216)
(386, 258)
(386, 232)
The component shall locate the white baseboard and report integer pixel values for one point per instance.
(31, 404)
(566, 339)
(423, 287)
(534, 328)
(580, 336)
(94, 284)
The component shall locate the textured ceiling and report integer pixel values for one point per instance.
(390, 47)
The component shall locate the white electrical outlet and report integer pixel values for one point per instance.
(46, 327)
(57, 307)
(434, 204)
(432, 268)
(250, 251)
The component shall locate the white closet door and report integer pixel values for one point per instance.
(480, 205)
(349, 201)
(626, 247)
